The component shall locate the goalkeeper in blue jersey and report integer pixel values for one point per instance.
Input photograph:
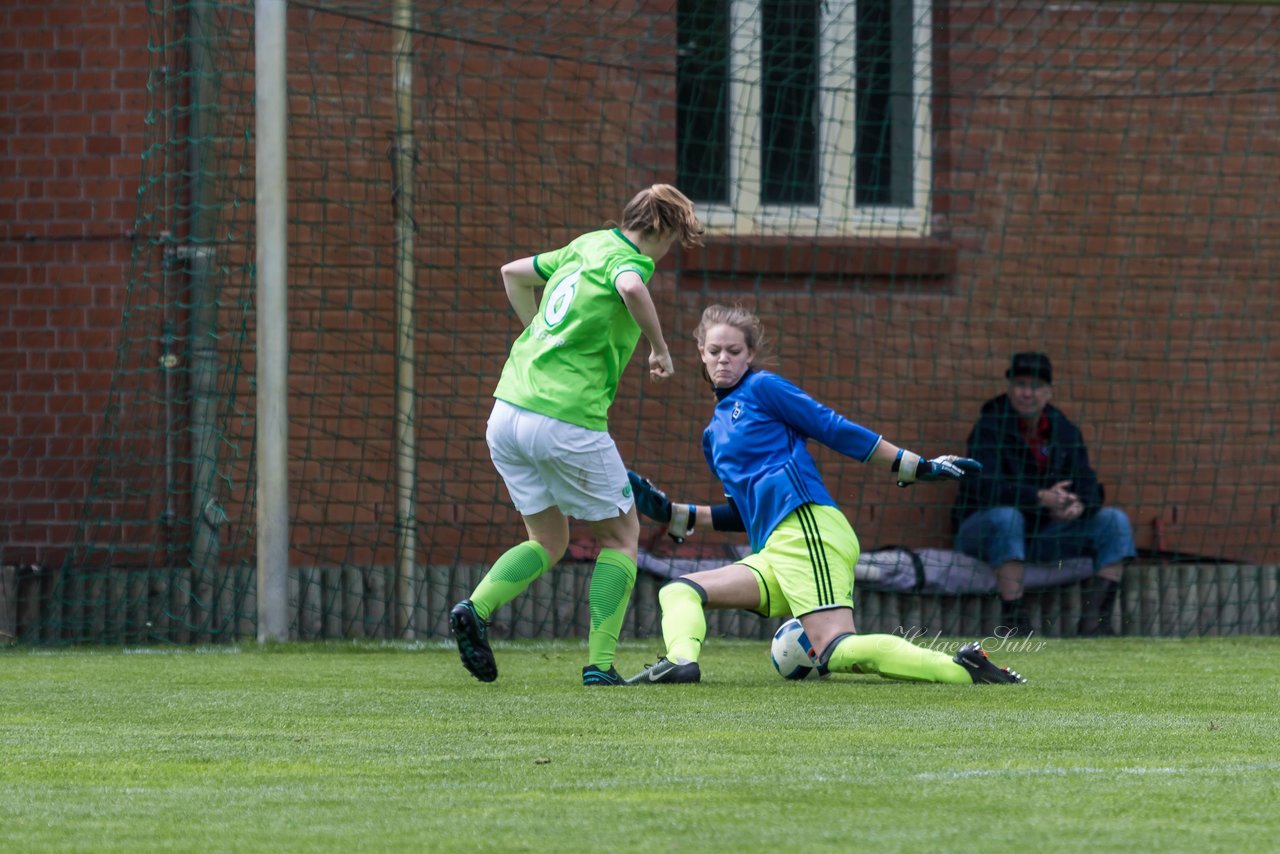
(548, 431)
(804, 550)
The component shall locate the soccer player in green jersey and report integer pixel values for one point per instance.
(548, 431)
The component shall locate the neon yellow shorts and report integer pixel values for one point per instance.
(807, 563)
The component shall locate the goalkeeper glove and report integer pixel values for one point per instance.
(654, 503)
(912, 468)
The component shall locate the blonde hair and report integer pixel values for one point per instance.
(742, 319)
(662, 209)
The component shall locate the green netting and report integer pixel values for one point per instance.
(907, 193)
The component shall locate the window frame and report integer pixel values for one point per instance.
(837, 212)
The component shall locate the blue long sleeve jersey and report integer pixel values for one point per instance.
(755, 445)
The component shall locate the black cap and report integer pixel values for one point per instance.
(1030, 365)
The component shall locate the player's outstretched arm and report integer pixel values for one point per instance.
(681, 518)
(912, 468)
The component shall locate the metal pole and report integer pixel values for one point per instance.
(207, 514)
(406, 459)
(271, 121)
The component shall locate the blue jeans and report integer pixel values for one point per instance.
(998, 535)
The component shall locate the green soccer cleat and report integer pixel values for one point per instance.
(668, 672)
(472, 635)
(592, 675)
(973, 657)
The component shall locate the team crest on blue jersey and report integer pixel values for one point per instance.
(737, 410)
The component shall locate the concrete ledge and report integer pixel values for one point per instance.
(191, 606)
(8, 603)
(1155, 601)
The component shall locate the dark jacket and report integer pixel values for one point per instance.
(1010, 476)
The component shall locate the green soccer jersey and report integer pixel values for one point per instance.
(569, 360)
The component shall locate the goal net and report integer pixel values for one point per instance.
(906, 192)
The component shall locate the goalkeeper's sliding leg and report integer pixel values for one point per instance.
(684, 622)
(684, 628)
(685, 600)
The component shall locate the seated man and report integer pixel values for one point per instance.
(1037, 498)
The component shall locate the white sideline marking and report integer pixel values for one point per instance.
(199, 650)
(1054, 771)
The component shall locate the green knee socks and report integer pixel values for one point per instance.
(509, 576)
(611, 582)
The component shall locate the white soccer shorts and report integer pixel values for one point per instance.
(546, 462)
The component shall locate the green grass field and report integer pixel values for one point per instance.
(1134, 744)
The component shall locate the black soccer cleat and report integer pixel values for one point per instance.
(592, 675)
(973, 657)
(472, 635)
(667, 672)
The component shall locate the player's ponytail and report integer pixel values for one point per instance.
(662, 209)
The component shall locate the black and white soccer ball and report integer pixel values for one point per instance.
(792, 654)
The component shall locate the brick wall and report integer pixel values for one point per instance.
(1132, 238)
(72, 77)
